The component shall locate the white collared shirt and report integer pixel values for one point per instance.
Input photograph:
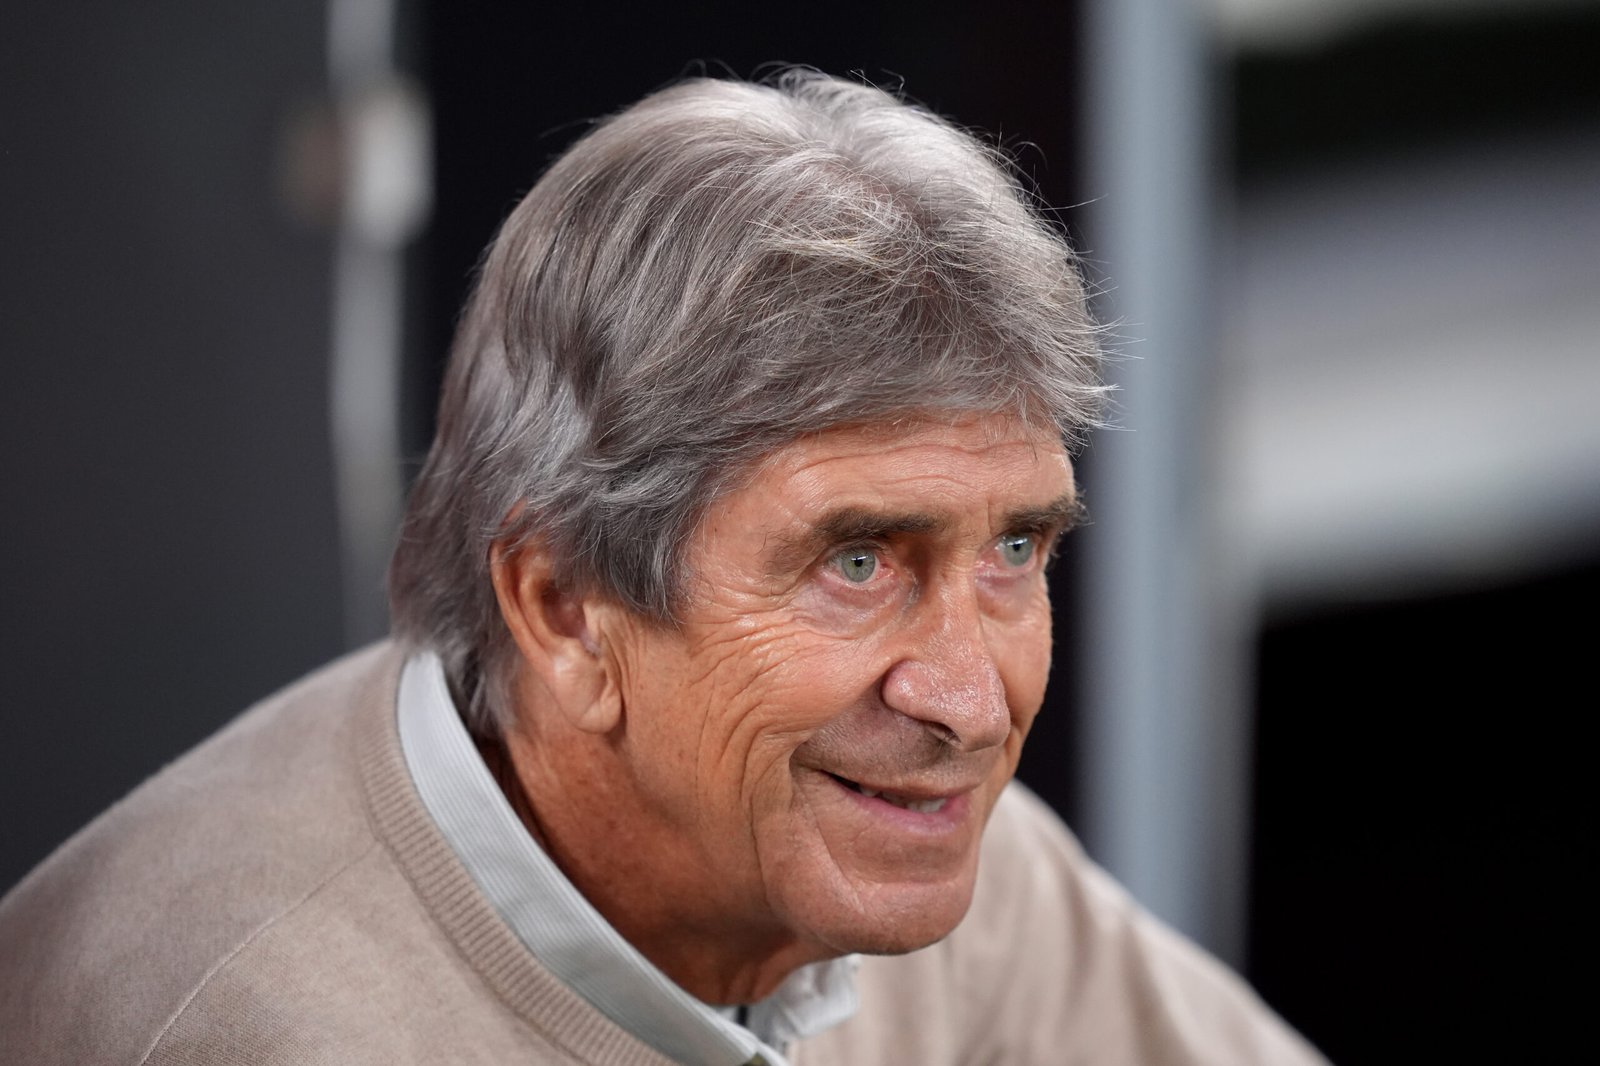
(567, 934)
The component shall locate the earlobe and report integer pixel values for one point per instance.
(556, 631)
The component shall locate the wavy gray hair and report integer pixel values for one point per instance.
(703, 278)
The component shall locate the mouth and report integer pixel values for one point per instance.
(924, 805)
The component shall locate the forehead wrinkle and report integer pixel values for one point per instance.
(799, 471)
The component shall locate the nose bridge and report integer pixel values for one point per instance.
(948, 677)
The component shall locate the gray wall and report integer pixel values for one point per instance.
(169, 547)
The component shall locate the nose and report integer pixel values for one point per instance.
(948, 679)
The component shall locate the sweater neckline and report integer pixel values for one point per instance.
(447, 890)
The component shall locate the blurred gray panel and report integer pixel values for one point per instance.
(170, 548)
(1418, 345)
(1164, 759)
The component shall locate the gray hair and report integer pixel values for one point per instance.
(705, 277)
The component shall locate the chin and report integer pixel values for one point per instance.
(888, 919)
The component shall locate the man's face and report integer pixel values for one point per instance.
(864, 646)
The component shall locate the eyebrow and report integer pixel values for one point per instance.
(1060, 515)
(845, 526)
(855, 525)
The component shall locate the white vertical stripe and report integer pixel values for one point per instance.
(1166, 725)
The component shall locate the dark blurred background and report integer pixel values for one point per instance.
(1317, 656)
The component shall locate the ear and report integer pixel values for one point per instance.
(556, 632)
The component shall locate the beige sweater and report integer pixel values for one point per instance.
(280, 895)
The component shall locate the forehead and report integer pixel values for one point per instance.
(972, 469)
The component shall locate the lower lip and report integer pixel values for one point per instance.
(943, 820)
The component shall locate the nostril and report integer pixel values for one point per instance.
(958, 698)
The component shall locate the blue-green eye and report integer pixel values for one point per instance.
(1016, 550)
(856, 564)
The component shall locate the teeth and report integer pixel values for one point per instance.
(920, 806)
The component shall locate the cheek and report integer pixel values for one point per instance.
(784, 693)
(715, 719)
(1022, 656)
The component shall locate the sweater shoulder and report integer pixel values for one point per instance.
(354, 973)
(1055, 962)
(105, 940)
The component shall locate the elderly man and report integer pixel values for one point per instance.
(721, 618)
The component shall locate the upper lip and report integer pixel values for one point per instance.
(910, 790)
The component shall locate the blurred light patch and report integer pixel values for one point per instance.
(1279, 24)
(1417, 359)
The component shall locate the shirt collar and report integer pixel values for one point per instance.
(568, 935)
